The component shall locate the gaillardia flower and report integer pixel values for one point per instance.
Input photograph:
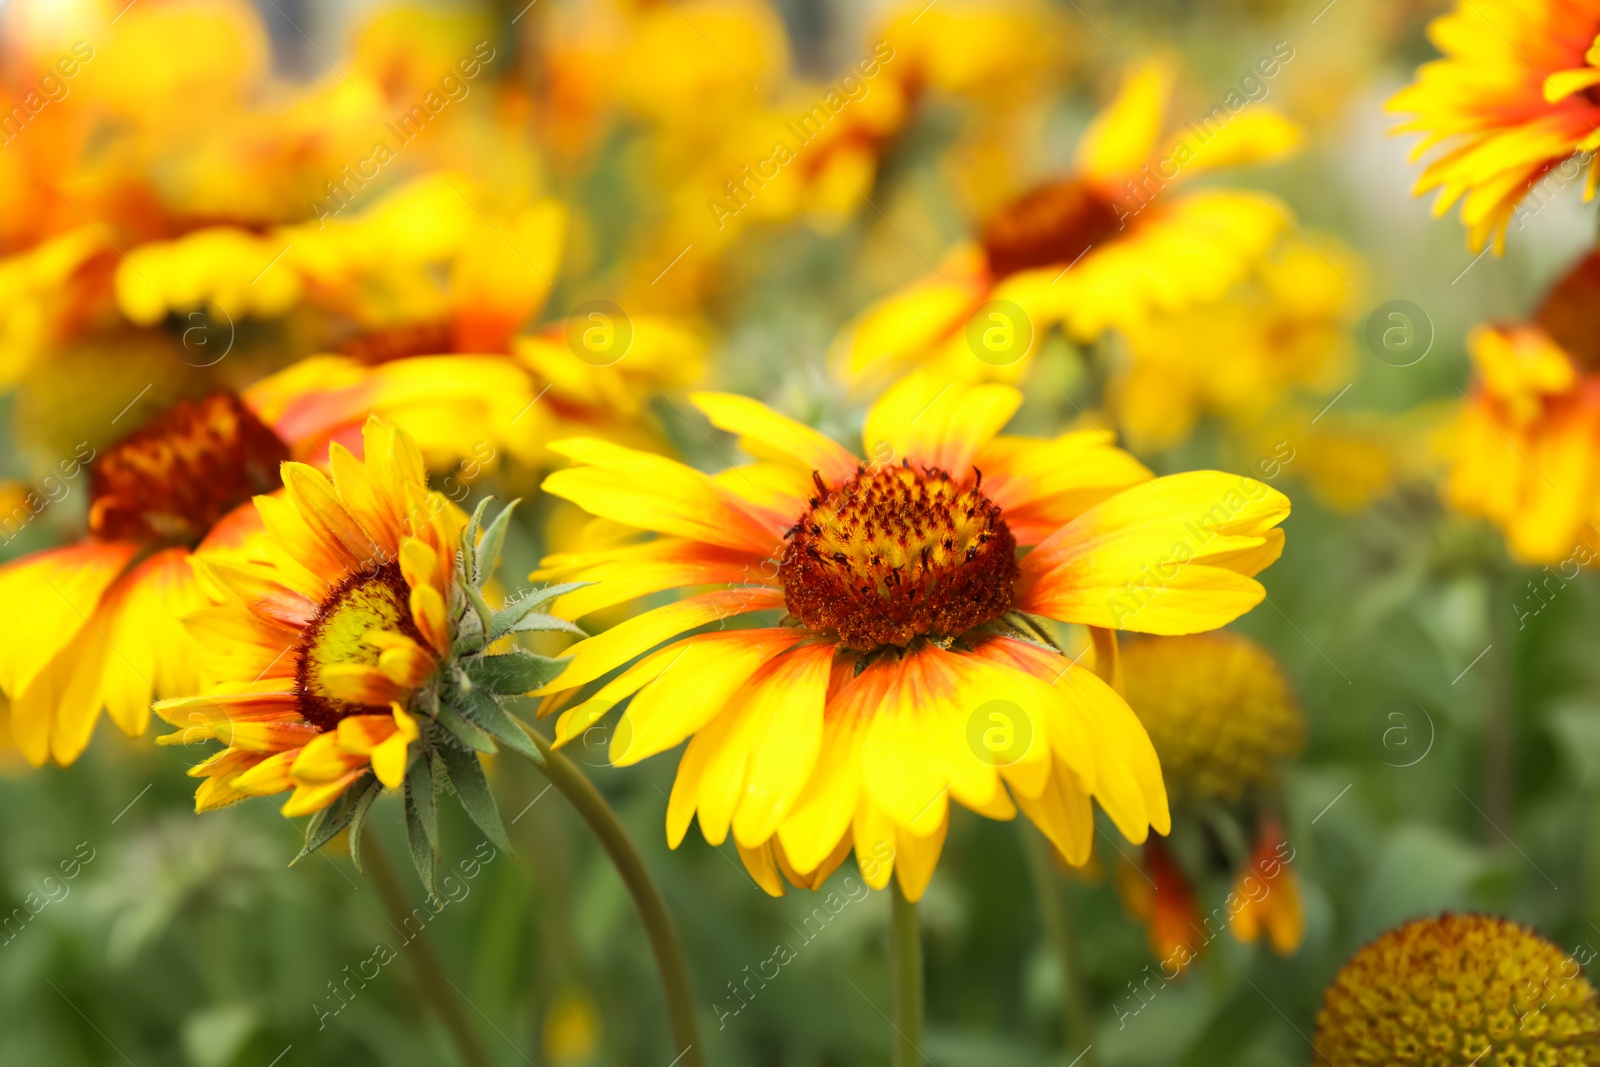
(348, 647)
(1530, 426)
(1456, 991)
(1113, 242)
(107, 605)
(1513, 98)
(1223, 719)
(904, 668)
(104, 609)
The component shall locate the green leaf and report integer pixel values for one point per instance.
(468, 733)
(422, 850)
(326, 824)
(472, 789)
(358, 820)
(485, 711)
(538, 621)
(469, 540)
(511, 673)
(419, 785)
(494, 538)
(506, 620)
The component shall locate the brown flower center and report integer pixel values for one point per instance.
(428, 338)
(898, 553)
(1053, 224)
(1571, 313)
(175, 477)
(378, 599)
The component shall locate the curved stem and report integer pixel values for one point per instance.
(1056, 918)
(664, 941)
(905, 940)
(437, 989)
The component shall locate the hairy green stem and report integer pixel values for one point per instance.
(437, 989)
(905, 940)
(658, 925)
(1056, 917)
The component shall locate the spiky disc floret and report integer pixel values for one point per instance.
(1460, 990)
(896, 553)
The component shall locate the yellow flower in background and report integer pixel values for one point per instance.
(1348, 459)
(105, 607)
(997, 66)
(377, 273)
(1106, 247)
(1223, 720)
(1455, 991)
(323, 628)
(1512, 99)
(904, 671)
(214, 187)
(990, 50)
(1285, 328)
(1525, 446)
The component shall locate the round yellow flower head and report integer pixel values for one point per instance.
(1459, 990)
(1217, 708)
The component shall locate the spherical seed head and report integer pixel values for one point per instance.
(1218, 710)
(1056, 223)
(897, 553)
(1456, 991)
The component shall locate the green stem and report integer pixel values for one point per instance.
(1497, 733)
(658, 925)
(1056, 917)
(905, 940)
(436, 988)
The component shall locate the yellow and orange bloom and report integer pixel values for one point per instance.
(1105, 247)
(322, 630)
(106, 606)
(1513, 99)
(904, 669)
(1526, 444)
(1223, 720)
(349, 648)
(1282, 331)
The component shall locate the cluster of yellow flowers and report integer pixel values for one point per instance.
(244, 317)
